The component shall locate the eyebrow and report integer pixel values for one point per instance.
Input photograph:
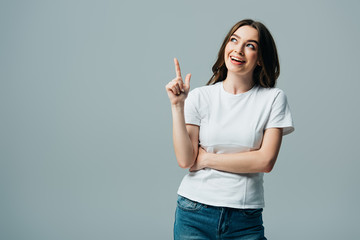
(248, 40)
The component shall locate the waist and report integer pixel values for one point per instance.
(219, 188)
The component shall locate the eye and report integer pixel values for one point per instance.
(233, 39)
(250, 45)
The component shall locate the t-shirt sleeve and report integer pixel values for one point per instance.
(280, 115)
(191, 108)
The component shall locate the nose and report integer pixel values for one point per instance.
(240, 49)
(241, 53)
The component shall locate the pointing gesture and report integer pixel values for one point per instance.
(176, 89)
(177, 68)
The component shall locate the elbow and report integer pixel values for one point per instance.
(186, 161)
(185, 164)
(268, 165)
(267, 169)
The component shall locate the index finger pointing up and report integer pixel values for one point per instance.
(177, 68)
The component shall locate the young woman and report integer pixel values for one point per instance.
(228, 133)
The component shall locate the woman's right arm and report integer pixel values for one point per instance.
(185, 136)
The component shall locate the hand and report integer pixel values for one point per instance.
(201, 160)
(176, 89)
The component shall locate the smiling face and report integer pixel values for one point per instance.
(241, 52)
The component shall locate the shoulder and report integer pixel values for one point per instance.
(205, 91)
(273, 90)
(202, 96)
(270, 92)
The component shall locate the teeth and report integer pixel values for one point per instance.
(236, 59)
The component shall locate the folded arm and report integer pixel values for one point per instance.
(185, 138)
(261, 160)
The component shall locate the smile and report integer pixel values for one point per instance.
(236, 60)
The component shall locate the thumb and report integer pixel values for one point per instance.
(187, 79)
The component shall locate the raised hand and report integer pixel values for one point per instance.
(176, 89)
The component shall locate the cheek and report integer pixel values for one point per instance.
(225, 55)
(252, 54)
(226, 51)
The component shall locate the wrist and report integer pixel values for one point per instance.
(208, 160)
(177, 106)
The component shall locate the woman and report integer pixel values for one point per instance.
(228, 134)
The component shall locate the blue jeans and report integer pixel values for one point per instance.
(195, 220)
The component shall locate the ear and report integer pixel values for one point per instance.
(258, 63)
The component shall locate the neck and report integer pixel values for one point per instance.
(236, 84)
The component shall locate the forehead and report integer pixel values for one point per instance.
(247, 33)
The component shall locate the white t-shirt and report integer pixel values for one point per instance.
(229, 124)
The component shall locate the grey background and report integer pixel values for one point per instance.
(85, 135)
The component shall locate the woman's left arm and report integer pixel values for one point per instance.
(261, 160)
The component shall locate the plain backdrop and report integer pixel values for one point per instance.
(85, 123)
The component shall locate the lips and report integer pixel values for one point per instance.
(237, 60)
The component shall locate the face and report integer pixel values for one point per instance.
(241, 52)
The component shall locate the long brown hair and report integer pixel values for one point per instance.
(264, 75)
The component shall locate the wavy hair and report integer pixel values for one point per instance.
(264, 75)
